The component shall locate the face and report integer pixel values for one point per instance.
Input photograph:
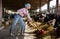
(29, 7)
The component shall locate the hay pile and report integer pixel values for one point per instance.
(41, 26)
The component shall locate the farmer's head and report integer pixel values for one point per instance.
(28, 5)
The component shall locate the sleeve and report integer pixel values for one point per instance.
(28, 15)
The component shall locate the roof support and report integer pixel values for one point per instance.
(57, 1)
(40, 6)
(48, 6)
(0, 12)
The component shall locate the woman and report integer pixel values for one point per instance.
(18, 17)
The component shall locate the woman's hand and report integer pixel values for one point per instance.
(30, 19)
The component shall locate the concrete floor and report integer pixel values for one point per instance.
(4, 34)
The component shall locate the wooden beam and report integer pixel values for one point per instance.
(48, 6)
(0, 12)
(57, 1)
(40, 5)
